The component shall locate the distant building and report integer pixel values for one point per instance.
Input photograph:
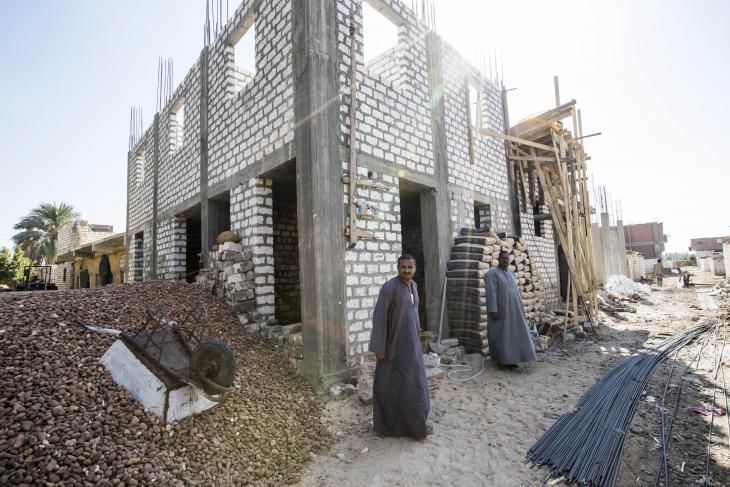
(89, 255)
(702, 247)
(646, 238)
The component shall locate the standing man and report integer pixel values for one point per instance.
(509, 338)
(659, 272)
(400, 390)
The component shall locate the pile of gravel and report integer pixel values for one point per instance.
(63, 420)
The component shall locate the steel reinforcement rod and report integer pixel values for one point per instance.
(667, 424)
(585, 445)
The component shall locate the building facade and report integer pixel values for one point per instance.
(646, 238)
(267, 155)
(72, 237)
(705, 246)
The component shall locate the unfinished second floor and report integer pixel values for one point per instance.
(234, 113)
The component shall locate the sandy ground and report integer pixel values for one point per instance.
(484, 428)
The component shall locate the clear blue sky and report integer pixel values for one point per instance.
(652, 76)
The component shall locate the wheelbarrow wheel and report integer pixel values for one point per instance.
(214, 364)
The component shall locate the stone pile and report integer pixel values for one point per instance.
(230, 274)
(64, 421)
(286, 338)
(472, 255)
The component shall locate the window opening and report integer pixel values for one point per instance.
(538, 221)
(482, 215)
(475, 105)
(138, 167)
(177, 125)
(242, 44)
(380, 41)
(380, 34)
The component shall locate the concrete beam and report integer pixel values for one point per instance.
(320, 209)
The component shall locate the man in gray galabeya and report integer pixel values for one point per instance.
(400, 390)
(509, 337)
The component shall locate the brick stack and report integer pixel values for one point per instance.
(230, 276)
(472, 255)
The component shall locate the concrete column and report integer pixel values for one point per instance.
(435, 205)
(598, 260)
(606, 242)
(127, 235)
(155, 183)
(622, 247)
(320, 208)
(205, 240)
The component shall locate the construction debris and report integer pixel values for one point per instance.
(63, 419)
(230, 275)
(624, 286)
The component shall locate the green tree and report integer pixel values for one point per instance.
(38, 233)
(12, 265)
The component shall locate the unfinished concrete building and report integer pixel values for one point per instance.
(646, 238)
(267, 153)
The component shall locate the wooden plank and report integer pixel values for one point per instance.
(531, 126)
(528, 143)
(532, 158)
(366, 184)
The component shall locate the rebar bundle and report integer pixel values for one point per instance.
(585, 445)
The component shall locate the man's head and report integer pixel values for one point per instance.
(503, 260)
(406, 267)
(659, 260)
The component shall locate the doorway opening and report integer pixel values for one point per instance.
(193, 242)
(412, 240)
(219, 216)
(287, 288)
(564, 273)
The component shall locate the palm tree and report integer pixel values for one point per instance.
(39, 230)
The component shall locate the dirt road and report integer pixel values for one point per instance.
(485, 427)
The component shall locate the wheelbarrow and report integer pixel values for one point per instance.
(166, 347)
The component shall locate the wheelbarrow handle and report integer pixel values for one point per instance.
(98, 329)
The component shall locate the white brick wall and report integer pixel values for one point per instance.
(171, 242)
(371, 262)
(252, 219)
(247, 125)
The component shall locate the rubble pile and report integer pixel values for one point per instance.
(230, 274)
(622, 285)
(612, 304)
(64, 421)
(721, 290)
(472, 255)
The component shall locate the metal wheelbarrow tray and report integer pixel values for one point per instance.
(165, 348)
